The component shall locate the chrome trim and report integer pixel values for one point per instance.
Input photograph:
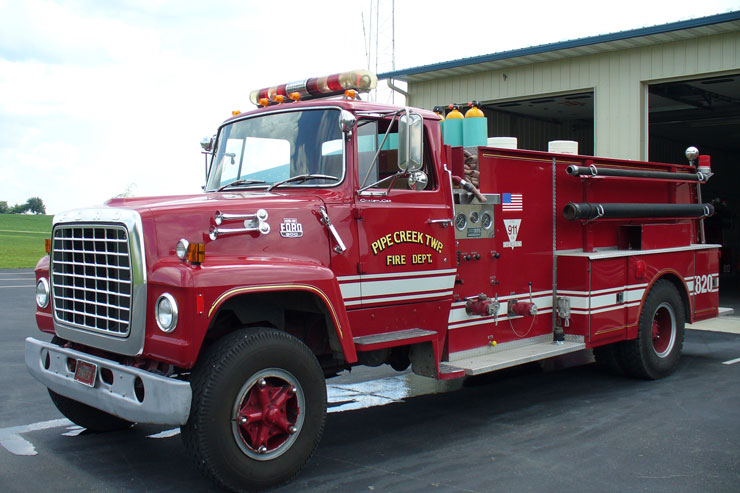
(339, 248)
(613, 253)
(132, 343)
(443, 222)
(220, 217)
(252, 222)
(185, 244)
(45, 284)
(173, 304)
(166, 400)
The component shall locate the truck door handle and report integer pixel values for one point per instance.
(443, 222)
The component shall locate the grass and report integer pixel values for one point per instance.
(22, 239)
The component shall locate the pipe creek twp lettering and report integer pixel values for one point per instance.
(398, 237)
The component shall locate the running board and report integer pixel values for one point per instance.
(392, 339)
(510, 357)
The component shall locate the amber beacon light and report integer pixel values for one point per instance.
(317, 87)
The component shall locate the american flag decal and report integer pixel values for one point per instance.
(512, 202)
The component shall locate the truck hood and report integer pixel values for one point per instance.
(295, 230)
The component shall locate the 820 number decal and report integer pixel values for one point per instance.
(703, 284)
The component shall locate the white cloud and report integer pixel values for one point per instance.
(97, 95)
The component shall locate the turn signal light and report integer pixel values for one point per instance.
(350, 94)
(235, 112)
(263, 102)
(196, 253)
(295, 96)
(47, 245)
(279, 98)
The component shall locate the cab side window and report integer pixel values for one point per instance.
(370, 135)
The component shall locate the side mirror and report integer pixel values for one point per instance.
(207, 143)
(410, 141)
(347, 122)
(418, 180)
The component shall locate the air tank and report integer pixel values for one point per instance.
(475, 126)
(453, 128)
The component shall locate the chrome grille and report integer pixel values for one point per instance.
(91, 277)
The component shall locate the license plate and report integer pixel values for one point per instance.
(85, 373)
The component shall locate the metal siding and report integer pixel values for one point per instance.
(616, 78)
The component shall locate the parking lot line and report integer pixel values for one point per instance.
(13, 442)
(731, 362)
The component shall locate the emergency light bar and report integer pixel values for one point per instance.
(317, 87)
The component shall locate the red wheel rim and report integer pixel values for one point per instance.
(664, 330)
(268, 414)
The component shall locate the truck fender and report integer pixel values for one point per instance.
(306, 277)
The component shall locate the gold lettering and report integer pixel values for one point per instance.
(395, 260)
(421, 258)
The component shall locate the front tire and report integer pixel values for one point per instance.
(258, 409)
(656, 351)
(86, 416)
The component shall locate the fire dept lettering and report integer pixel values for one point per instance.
(406, 237)
(416, 259)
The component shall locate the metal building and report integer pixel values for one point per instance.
(643, 94)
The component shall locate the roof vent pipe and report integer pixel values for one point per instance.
(396, 88)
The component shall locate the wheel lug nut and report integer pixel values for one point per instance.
(293, 390)
(262, 382)
(243, 420)
(292, 429)
(262, 449)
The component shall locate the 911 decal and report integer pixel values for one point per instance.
(512, 230)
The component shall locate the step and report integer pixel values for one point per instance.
(391, 339)
(498, 360)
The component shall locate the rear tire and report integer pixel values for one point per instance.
(609, 359)
(656, 351)
(83, 415)
(258, 409)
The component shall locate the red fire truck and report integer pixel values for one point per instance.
(335, 232)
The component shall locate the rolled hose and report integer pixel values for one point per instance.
(592, 170)
(587, 210)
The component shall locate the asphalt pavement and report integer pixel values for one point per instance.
(572, 429)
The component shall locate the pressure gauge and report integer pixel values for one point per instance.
(486, 220)
(461, 221)
(474, 217)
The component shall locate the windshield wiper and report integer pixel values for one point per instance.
(238, 183)
(302, 178)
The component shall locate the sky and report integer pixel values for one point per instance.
(100, 98)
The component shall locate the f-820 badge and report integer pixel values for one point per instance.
(291, 228)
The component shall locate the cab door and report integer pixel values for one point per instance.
(405, 235)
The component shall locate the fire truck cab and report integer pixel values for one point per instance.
(338, 232)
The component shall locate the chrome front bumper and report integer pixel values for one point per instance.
(165, 401)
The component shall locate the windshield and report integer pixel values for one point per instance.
(260, 151)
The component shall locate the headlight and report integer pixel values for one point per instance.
(182, 249)
(42, 293)
(166, 312)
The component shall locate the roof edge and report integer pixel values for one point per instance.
(562, 45)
